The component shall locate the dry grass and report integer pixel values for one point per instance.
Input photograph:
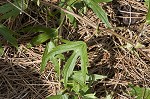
(20, 77)
(20, 69)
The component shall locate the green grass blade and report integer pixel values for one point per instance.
(7, 34)
(90, 96)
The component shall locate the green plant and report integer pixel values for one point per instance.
(140, 92)
(45, 34)
(148, 13)
(8, 35)
(81, 6)
(76, 83)
(11, 10)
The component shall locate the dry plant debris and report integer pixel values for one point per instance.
(106, 55)
(20, 77)
(19, 71)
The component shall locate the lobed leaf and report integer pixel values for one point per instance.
(58, 50)
(79, 49)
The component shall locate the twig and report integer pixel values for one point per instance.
(95, 26)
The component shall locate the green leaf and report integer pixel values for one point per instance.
(56, 64)
(48, 48)
(6, 8)
(71, 17)
(1, 50)
(57, 50)
(44, 36)
(12, 10)
(96, 77)
(78, 78)
(139, 45)
(70, 2)
(12, 14)
(47, 33)
(98, 11)
(129, 46)
(7, 34)
(146, 2)
(100, 1)
(69, 66)
(57, 97)
(90, 96)
(109, 97)
(76, 87)
(79, 48)
(140, 93)
(84, 60)
(148, 13)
